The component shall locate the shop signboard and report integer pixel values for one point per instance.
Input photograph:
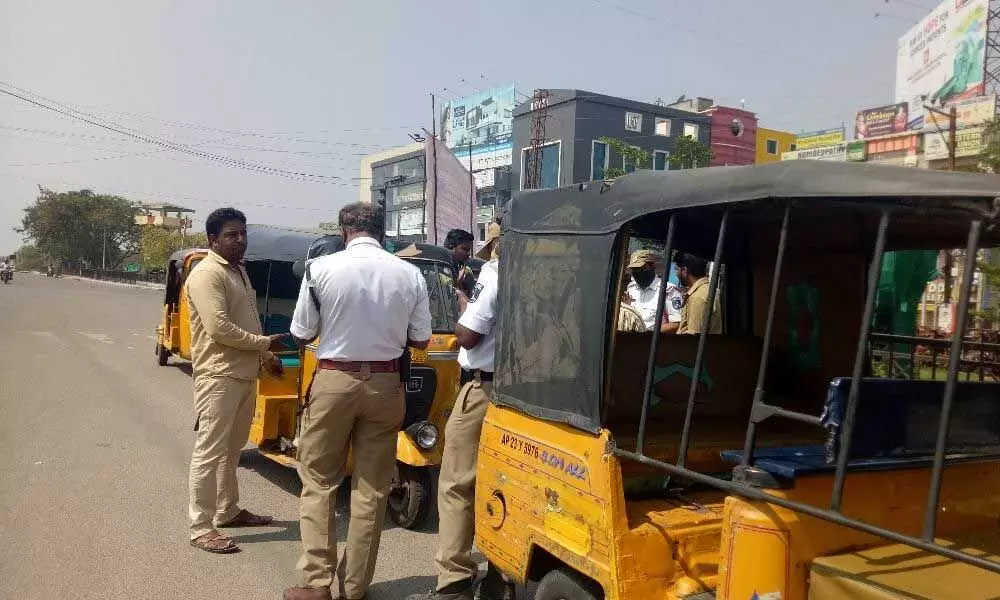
(857, 151)
(818, 139)
(884, 120)
(900, 145)
(968, 113)
(941, 58)
(968, 142)
(835, 153)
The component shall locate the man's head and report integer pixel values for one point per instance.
(362, 220)
(690, 268)
(642, 266)
(227, 233)
(459, 241)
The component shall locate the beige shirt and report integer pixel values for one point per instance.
(226, 338)
(695, 305)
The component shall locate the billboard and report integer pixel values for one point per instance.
(836, 152)
(449, 192)
(818, 139)
(942, 57)
(480, 125)
(884, 120)
(968, 113)
(968, 142)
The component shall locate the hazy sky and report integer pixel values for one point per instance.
(310, 86)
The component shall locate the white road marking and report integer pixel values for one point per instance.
(97, 337)
(45, 334)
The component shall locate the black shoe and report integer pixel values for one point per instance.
(456, 591)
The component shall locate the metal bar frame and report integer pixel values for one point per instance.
(957, 340)
(847, 428)
(654, 345)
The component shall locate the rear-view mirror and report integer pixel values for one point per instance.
(299, 268)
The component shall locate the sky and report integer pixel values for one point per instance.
(312, 86)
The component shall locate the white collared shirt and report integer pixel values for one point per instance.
(481, 316)
(644, 301)
(371, 302)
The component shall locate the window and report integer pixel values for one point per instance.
(627, 166)
(660, 160)
(549, 167)
(662, 127)
(794, 147)
(691, 130)
(772, 146)
(598, 160)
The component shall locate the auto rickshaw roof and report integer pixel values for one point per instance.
(597, 207)
(269, 242)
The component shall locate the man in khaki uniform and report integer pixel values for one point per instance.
(476, 333)
(369, 305)
(692, 271)
(227, 352)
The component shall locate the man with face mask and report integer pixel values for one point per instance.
(644, 288)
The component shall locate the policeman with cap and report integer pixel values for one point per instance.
(644, 288)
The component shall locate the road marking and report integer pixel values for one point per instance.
(97, 337)
(45, 334)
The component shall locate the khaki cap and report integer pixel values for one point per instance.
(641, 257)
(492, 235)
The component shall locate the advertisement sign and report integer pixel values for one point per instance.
(818, 139)
(903, 144)
(837, 152)
(449, 193)
(633, 121)
(482, 120)
(857, 151)
(884, 120)
(968, 142)
(968, 113)
(942, 57)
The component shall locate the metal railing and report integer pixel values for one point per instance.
(918, 357)
(762, 411)
(123, 276)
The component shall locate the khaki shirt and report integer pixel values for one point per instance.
(629, 319)
(695, 305)
(226, 338)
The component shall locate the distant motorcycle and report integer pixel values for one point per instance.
(7, 275)
(50, 272)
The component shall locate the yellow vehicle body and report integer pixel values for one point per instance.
(173, 334)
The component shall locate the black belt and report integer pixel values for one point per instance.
(471, 374)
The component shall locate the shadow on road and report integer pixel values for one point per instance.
(400, 588)
(284, 477)
(279, 531)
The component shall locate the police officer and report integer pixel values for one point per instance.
(476, 332)
(644, 288)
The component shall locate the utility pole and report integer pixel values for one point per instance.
(475, 203)
(539, 113)
(952, 115)
(434, 175)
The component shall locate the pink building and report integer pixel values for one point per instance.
(734, 135)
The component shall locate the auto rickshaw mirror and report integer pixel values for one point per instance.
(299, 268)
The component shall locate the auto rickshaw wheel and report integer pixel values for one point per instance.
(162, 355)
(409, 500)
(565, 584)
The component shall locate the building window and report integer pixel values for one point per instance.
(628, 166)
(691, 130)
(662, 127)
(598, 160)
(549, 167)
(660, 160)
(772, 146)
(794, 147)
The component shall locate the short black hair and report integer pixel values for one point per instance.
(218, 217)
(364, 218)
(696, 265)
(457, 237)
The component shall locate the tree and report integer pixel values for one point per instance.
(633, 157)
(30, 258)
(689, 153)
(989, 158)
(82, 226)
(159, 243)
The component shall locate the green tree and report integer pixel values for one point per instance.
(634, 157)
(158, 243)
(989, 158)
(31, 259)
(689, 153)
(82, 226)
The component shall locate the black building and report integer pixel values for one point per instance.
(576, 120)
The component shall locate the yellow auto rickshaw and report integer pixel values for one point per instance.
(773, 460)
(431, 389)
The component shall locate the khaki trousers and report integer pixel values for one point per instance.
(225, 409)
(357, 411)
(457, 484)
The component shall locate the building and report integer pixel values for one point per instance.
(771, 144)
(734, 136)
(397, 180)
(571, 150)
(168, 216)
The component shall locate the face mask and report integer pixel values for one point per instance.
(644, 277)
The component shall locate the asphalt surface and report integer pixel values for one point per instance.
(95, 441)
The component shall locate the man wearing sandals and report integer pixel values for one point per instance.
(228, 351)
(365, 305)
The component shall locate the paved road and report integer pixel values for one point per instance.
(95, 441)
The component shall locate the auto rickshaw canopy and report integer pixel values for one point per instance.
(561, 253)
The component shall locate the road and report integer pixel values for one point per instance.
(95, 441)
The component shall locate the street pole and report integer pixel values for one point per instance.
(952, 127)
(104, 250)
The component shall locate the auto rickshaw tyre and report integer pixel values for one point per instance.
(409, 501)
(566, 584)
(162, 355)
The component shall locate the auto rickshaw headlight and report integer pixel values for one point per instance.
(424, 434)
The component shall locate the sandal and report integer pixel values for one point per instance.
(216, 543)
(245, 518)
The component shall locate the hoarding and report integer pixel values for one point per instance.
(449, 192)
(968, 113)
(857, 151)
(837, 152)
(480, 125)
(884, 120)
(968, 142)
(942, 57)
(818, 139)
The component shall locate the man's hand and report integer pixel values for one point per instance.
(278, 342)
(463, 300)
(272, 366)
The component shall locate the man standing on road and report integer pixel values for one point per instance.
(227, 352)
(644, 288)
(369, 305)
(692, 271)
(476, 333)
